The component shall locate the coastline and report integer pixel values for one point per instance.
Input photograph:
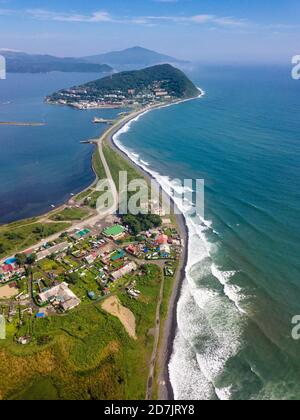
(168, 333)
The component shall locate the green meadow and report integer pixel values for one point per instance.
(70, 214)
(17, 236)
(85, 354)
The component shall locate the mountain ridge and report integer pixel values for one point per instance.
(21, 62)
(133, 57)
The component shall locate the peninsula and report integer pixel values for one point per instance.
(151, 86)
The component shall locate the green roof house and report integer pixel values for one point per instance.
(114, 232)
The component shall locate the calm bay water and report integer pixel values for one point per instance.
(41, 166)
(242, 286)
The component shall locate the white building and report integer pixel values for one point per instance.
(60, 296)
(127, 269)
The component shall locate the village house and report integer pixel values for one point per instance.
(114, 232)
(165, 249)
(81, 234)
(133, 250)
(10, 270)
(56, 249)
(162, 239)
(127, 269)
(60, 297)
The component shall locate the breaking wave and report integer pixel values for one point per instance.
(210, 318)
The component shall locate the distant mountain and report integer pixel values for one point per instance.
(157, 84)
(19, 62)
(133, 58)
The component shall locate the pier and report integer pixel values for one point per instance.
(89, 141)
(22, 124)
(103, 121)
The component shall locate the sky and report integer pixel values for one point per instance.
(266, 31)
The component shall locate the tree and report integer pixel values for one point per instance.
(13, 236)
(142, 222)
(71, 278)
(38, 229)
(21, 259)
(31, 259)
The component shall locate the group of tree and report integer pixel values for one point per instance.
(2, 248)
(23, 259)
(141, 222)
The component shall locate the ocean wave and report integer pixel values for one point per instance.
(192, 385)
(212, 330)
(233, 292)
(210, 321)
(145, 163)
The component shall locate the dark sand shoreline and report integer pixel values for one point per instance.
(165, 390)
(168, 334)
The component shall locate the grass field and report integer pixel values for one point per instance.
(15, 237)
(81, 196)
(70, 214)
(117, 164)
(97, 165)
(92, 202)
(85, 354)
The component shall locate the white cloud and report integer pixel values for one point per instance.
(201, 18)
(230, 21)
(69, 17)
(102, 16)
(213, 21)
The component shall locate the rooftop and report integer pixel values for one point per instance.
(114, 230)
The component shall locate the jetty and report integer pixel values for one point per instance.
(103, 121)
(22, 124)
(95, 141)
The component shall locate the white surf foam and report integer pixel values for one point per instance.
(233, 292)
(192, 385)
(224, 331)
(206, 321)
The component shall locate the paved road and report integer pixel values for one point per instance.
(92, 221)
(80, 225)
(156, 341)
(111, 183)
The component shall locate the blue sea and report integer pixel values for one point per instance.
(42, 166)
(242, 285)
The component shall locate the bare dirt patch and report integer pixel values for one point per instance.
(7, 292)
(113, 306)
